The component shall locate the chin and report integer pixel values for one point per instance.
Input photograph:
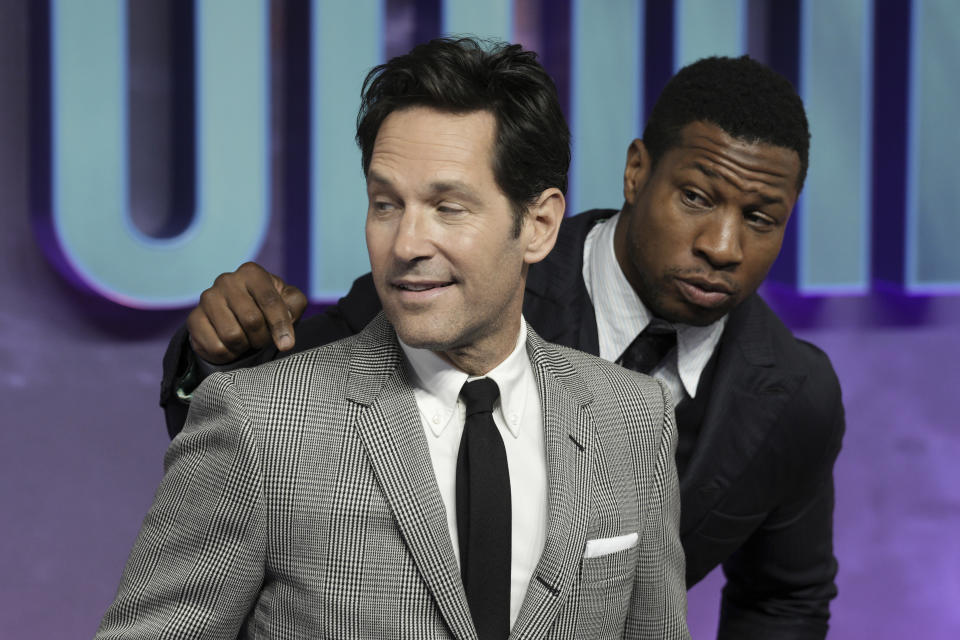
(704, 317)
(423, 335)
(684, 313)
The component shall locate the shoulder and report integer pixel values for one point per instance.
(813, 413)
(630, 414)
(795, 354)
(613, 388)
(575, 229)
(347, 317)
(317, 377)
(595, 370)
(321, 361)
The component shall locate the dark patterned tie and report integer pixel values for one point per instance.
(483, 513)
(649, 348)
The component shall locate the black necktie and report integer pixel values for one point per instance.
(483, 513)
(648, 349)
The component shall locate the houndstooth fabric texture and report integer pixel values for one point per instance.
(300, 502)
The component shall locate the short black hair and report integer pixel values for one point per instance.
(745, 98)
(460, 75)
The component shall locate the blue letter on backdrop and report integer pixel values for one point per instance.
(346, 41)
(89, 174)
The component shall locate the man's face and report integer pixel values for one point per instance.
(699, 232)
(446, 266)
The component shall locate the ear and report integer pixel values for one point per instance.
(637, 171)
(542, 223)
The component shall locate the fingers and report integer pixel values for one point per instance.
(277, 318)
(245, 310)
(294, 299)
(205, 340)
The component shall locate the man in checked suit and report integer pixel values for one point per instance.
(708, 192)
(332, 494)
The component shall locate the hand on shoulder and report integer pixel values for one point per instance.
(242, 311)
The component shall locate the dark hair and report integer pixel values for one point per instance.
(745, 98)
(532, 142)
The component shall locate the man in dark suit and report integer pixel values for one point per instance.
(445, 473)
(708, 192)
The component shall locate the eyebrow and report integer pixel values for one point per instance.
(710, 173)
(373, 176)
(436, 188)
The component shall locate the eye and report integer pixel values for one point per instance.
(450, 208)
(383, 205)
(759, 220)
(694, 198)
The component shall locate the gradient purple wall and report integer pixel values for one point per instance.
(82, 440)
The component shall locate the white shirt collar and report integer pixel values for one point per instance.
(438, 384)
(621, 315)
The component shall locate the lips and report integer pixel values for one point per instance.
(704, 292)
(405, 285)
(709, 285)
(414, 294)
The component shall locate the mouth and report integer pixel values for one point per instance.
(704, 292)
(420, 291)
(407, 285)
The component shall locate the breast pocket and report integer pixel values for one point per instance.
(606, 585)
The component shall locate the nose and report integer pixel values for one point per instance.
(413, 240)
(718, 239)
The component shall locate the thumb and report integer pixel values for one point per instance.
(295, 300)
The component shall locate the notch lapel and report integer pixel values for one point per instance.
(390, 428)
(749, 393)
(568, 429)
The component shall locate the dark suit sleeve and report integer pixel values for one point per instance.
(349, 316)
(781, 581)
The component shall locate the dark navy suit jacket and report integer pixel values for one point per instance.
(757, 493)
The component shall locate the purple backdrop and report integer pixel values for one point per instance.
(82, 439)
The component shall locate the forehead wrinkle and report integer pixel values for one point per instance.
(730, 171)
(403, 149)
(455, 187)
(448, 151)
(727, 155)
(448, 185)
(431, 190)
(376, 177)
(440, 154)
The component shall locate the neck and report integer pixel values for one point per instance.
(480, 358)
(620, 249)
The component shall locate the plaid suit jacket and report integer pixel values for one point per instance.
(300, 502)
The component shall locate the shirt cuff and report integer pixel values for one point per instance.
(198, 369)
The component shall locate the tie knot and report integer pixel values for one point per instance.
(650, 347)
(659, 327)
(479, 395)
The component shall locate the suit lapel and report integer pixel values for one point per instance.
(556, 301)
(568, 430)
(749, 393)
(390, 428)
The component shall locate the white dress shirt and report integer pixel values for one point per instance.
(621, 316)
(519, 418)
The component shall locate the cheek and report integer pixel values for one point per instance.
(651, 250)
(761, 259)
(378, 252)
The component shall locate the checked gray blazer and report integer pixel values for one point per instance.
(300, 502)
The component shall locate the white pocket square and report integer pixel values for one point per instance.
(605, 546)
